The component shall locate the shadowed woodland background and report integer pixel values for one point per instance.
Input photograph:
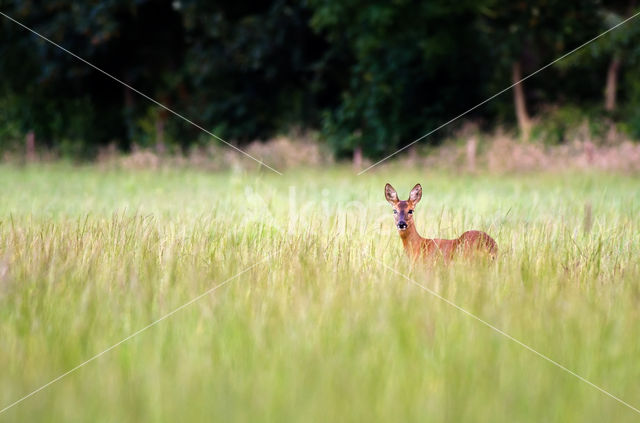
(364, 76)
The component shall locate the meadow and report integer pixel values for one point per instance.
(315, 328)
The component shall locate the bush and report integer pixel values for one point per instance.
(558, 125)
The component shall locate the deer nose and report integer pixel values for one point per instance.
(402, 225)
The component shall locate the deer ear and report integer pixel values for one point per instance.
(416, 194)
(390, 194)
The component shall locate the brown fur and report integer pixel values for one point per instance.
(468, 244)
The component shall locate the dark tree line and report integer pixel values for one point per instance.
(370, 75)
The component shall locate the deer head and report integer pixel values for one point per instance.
(403, 210)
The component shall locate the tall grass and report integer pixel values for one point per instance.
(319, 331)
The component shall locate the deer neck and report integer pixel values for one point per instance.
(411, 240)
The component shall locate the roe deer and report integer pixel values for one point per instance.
(417, 246)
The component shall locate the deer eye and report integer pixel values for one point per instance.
(395, 211)
(410, 211)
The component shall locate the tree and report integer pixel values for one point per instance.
(253, 68)
(64, 101)
(526, 35)
(371, 75)
(243, 69)
(618, 46)
(404, 69)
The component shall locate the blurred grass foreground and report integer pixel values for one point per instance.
(319, 331)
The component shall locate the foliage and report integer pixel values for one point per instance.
(558, 125)
(370, 74)
(404, 73)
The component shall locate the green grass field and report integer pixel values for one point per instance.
(316, 330)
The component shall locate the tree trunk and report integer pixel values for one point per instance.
(524, 121)
(30, 146)
(357, 157)
(612, 85)
(160, 125)
(161, 147)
